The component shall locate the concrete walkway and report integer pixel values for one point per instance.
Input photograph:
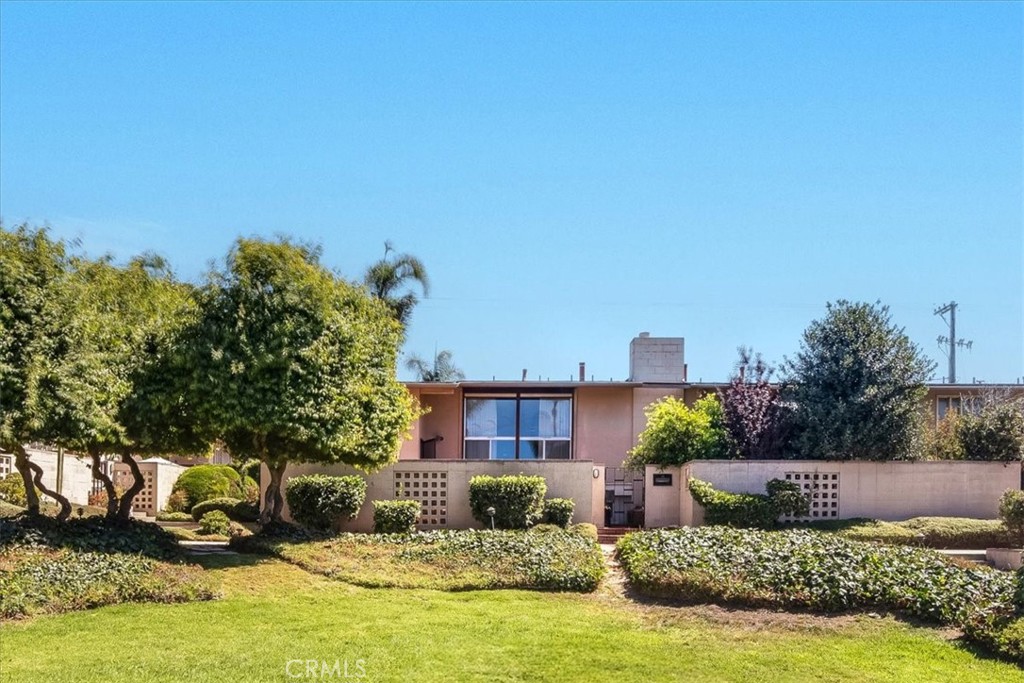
(207, 547)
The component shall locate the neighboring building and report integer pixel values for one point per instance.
(66, 473)
(159, 475)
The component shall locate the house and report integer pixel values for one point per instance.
(597, 422)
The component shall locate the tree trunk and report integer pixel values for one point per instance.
(108, 485)
(37, 478)
(22, 465)
(273, 501)
(124, 507)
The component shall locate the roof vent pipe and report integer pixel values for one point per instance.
(524, 374)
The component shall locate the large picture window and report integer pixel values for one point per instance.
(518, 428)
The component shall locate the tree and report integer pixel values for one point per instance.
(122, 322)
(992, 428)
(387, 278)
(442, 370)
(33, 338)
(676, 433)
(759, 422)
(294, 364)
(858, 384)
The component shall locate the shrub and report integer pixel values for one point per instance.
(559, 511)
(809, 570)
(236, 510)
(204, 482)
(544, 528)
(751, 510)
(676, 433)
(215, 523)
(586, 530)
(12, 489)
(176, 502)
(321, 502)
(929, 532)
(943, 442)
(518, 501)
(1011, 511)
(395, 516)
(173, 517)
(994, 432)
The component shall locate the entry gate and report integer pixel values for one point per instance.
(623, 497)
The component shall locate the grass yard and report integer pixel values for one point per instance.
(274, 612)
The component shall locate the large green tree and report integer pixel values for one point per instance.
(33, 339)
(391, 278)
(117, 394)
(858, 383)
(297, 365)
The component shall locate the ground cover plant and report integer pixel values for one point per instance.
(562, 560)
(808, 570)
(273, 612)
(48, 566)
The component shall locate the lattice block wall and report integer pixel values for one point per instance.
(431, 490)
(5, 465)
(821, 489)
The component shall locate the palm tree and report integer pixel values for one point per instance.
(443, 370)
(388, 277)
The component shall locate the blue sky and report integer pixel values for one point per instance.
(572, 174)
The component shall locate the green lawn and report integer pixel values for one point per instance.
(274, 612)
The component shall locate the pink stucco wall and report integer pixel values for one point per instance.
(604, 424)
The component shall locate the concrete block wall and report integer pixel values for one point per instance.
(891, 491)
(656, 359)
(580, 480)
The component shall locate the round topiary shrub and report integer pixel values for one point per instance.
(12, 489)
(395, 516)
(236, 510)
(204, 482)
(215, 523)
(559, 511)
(518, 501)
(321, 502)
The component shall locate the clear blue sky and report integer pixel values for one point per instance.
(571, 174)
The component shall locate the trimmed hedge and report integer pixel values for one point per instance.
(518, 500)
(322, 502)
(215, 523)
(204, 482)
(1011, 511)
(559, 511)
(12, 489)
(749, 510)
(236, 510)
(929, 532)
(174, 517)
(809, 570)
(395, 516)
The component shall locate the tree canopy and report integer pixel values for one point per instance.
(858, 383)
(297, 365)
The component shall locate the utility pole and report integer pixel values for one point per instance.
(951, 343)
